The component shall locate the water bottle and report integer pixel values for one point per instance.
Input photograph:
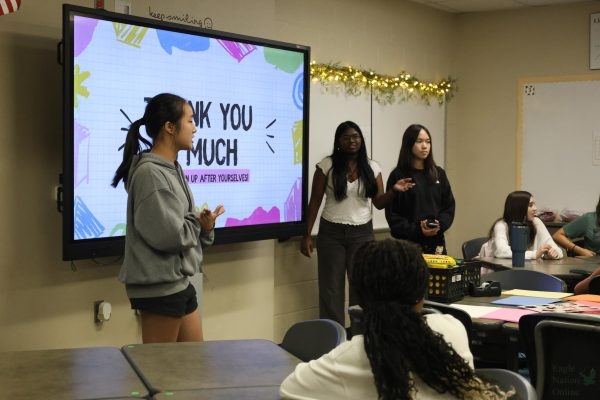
(519, 239)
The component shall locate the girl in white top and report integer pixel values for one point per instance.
(402, 354)
(350, 182)
(519, 207)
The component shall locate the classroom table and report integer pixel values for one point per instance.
(591, 259)
(221, 364)
(562, 268)
(553, 267)
(246, 393)
(493, 339)
(494, 343)
(69, 374)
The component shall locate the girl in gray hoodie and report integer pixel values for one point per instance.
(165, 235)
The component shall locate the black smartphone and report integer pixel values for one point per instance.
(431, 223)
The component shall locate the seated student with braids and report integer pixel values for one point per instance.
(402, 353)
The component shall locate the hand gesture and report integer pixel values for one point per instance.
(208, 218)
(547, 251)
(402, 185)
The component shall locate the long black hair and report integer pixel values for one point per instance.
(339, 169)
(390, 277)
(516, 207)
(406, 156)
(162, 108)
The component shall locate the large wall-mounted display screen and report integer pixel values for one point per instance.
(250, 99)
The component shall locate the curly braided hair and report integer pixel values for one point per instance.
(390, 278)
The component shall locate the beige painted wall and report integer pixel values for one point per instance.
(257, 289)
(493, 51)
(252, 289)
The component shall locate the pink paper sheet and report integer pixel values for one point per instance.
(507, 314)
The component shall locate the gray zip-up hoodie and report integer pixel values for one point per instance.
(164, 240)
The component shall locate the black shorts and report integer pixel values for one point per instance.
(176, 304)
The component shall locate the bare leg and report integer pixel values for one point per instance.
(190, 329)
(157, 328)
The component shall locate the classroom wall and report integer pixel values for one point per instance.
(258, 289)
(493, 51)
(251, 290)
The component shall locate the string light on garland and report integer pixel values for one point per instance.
(386, 89)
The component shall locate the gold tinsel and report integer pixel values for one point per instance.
(386, 89)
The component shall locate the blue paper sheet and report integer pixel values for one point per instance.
(524, 301)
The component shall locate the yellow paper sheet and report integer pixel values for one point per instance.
(536, 293)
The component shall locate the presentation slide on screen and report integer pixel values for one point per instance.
(248, 105)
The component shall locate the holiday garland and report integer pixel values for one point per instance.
(386, 89)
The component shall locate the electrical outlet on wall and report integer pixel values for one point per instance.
(123, 6)
(96, 309)
(102, 311)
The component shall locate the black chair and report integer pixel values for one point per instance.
(309, 340)
(562, 352)
(470, 248)
(594, 287)
(512, 279)
(508, 380)
(527, 280)
(485, 353)
(487, 342)
(355, 313)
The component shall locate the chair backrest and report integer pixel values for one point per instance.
(309, 340)
(457, 313)
(470, 248)
(572, 352)
(566, 349)
(527, 280)
(355, 313)
(594, 287)
(507, 380)
(429, 307)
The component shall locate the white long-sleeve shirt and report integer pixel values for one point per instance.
(498, 246)
(345, 372)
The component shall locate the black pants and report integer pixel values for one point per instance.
(336, 244)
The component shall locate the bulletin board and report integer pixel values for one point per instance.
(382, 127)
(558, 141)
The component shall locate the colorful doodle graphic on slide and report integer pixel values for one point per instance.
(248, 109)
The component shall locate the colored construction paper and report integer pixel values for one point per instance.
(507, 314)
(475, 311)
(537, 293)
(592, 304)
(524, 301)
(569, 307)
(584, 297)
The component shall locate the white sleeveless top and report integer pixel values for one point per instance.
(355, 209)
